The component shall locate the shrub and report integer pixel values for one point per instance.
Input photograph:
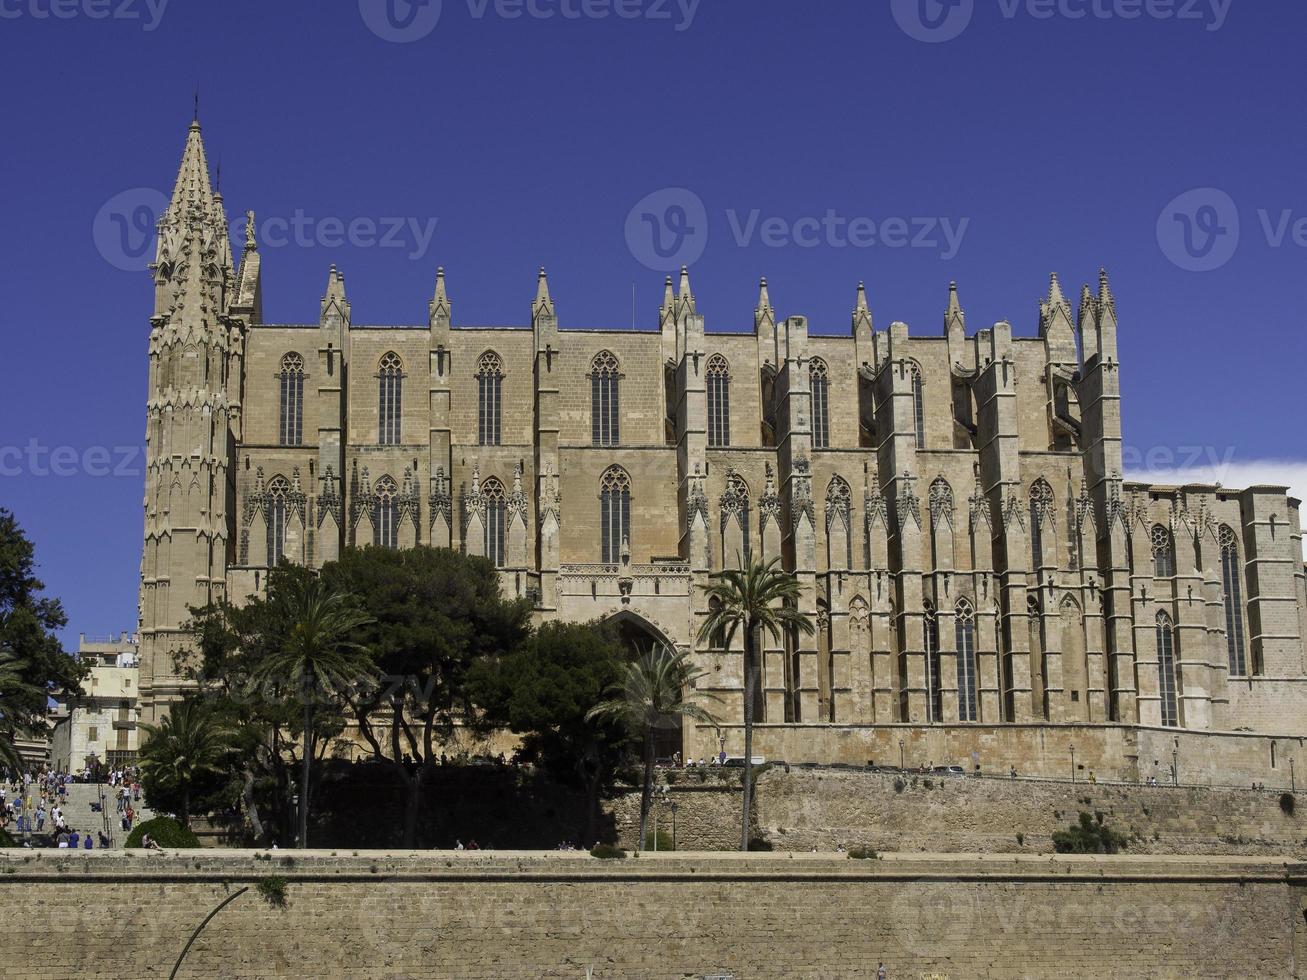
(927, 784)
(760, 844)
(1089, 836)
(1287, 804)
(899, 784)
(607, 852)
(273, 890)
(167, 831)
(863, 853)
(1021, 840)
(661, 842)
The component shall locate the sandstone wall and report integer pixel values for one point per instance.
(468, 916)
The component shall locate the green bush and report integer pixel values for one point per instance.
(1287, 804)
(273, 890)
(167, 831)
(863, 853)
(607, 852)
(1089, 836)
(899, 785)
(760, 844)
(663, 840)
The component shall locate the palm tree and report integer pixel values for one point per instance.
(187, 747)
(760, 598)
(15, 693)
(317, 656)
(655, 690)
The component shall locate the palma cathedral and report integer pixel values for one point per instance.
(988, 589)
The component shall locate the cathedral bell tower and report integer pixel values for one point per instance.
(193, 417)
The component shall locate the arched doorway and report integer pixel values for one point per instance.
(638, 635)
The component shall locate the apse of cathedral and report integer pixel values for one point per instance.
(951, 501)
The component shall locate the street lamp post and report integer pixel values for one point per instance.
(674, 826)
(900, 753)
(1072, 747)
(1175, 762)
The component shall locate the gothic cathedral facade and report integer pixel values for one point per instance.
(953, 505)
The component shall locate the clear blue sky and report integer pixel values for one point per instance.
(1056, 142)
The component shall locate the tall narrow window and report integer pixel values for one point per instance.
(490, 385)
(719, 401)
(1232, 581)
(292, 399)
(934, 697)
(275, 512)
(1166, 671)
(492, 491)
(819, 383)
(965, 629)
(390, 379)
(604, 378)
(614, 513)
(1163, 552)
(918, 407)
(385, 514)
(1042, 506)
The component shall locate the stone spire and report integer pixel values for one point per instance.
(335, 295)
(192, 190)
(685, 298)
(861, 311)
(764, 315)
(1055, 326)
(543, 305)
(440, 301)
(955, 318)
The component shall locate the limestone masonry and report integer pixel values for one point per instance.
(988, 589)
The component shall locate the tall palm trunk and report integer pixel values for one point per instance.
(750, 686)
(308, 759)
(646, 795)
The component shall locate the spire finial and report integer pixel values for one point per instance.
(543, 303)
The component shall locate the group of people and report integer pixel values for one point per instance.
(33, 804)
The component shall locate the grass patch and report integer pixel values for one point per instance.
(273, 890)
(607, 852)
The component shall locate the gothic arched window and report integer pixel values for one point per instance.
(918, 407)
(1163, 552)
(604, 379)
(275, 511)
(1232, 583)
(965, 629)
(390, 380)
(385, 514)
(719, 401)
(614, 513)
(1041, 506)
(819, 383)
(292, 399)
(934, 697)
(1166, 671)
(492, 492)
(490, 385)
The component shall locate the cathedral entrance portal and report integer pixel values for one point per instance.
(637, 635)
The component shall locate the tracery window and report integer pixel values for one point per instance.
(275, 512)
(1166, 671)
(490, 386)
(492, 492)
(719, 402)
(390, 379)
(1232, 582)
(1163, 552)
(918, 407)
(292, 399)
(1041, 505)
(934, 697)
(385, 514)
(819, 384)
(604, 403)
(965, 629)
(614, 513)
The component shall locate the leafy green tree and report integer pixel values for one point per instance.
(319, 654)
(1089, 836)
(758, 599)
(433, 614)
(14, 690)
(38, 669)
(543, 692)
(184, 756)
(655, 691)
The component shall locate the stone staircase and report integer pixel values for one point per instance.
(80, 816)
